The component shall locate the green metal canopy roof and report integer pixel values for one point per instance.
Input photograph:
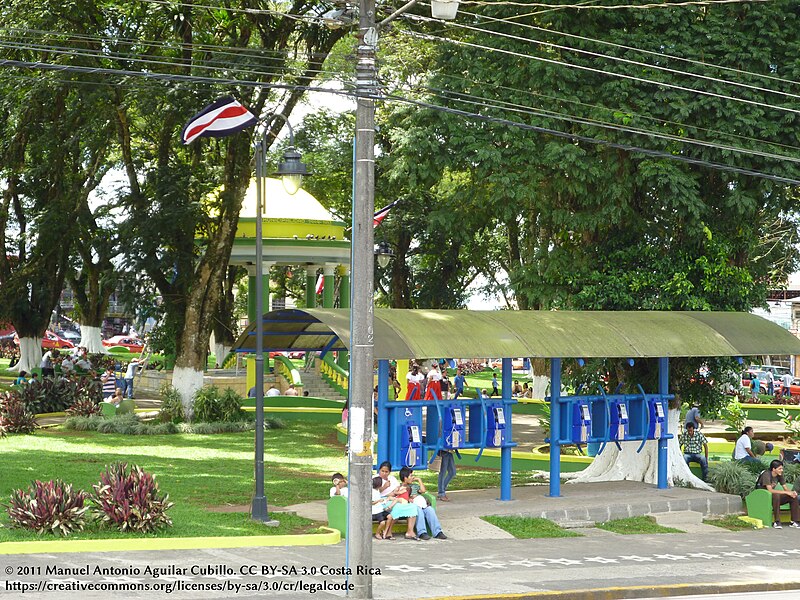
(401, 333)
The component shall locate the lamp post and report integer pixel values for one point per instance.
(291, 171)
(384, 253)
(359, 538)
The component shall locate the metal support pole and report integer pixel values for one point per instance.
(505, 451)
(663, 456)
(555, 427)
(258, 511)
(359, 539)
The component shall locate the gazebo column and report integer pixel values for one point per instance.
(311, 286)
(251, 289)
(343, 357)
(505, 451)
(329, 273)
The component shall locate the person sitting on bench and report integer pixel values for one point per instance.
(767, 481)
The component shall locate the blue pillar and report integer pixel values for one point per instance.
(505, 451)
(663, 389)
(383, 411)
(555, 427)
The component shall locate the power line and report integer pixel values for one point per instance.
(659, 55)
(582, 6)
(613, 58)
(601, 71)
(581, 138)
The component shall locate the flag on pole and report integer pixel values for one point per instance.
(320, 283)
(220, 118)
(381, 214)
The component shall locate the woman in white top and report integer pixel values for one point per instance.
(414, 387)
(743, 450)
(434, 383)
(390, 482)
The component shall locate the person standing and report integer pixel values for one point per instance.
(755, 386)
(770, 383)
(130, 373)
(693, 417)
(768, 480)
(109, 381)
(787, 382)
(743, 451)
(459, 382)
(434, 387)
(495, 389)
(48, 370)
(694, 443)
(414, 384)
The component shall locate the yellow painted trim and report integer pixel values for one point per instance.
(638, 591)
(331, 536)
(757, 523)
(295, 409)
(288, 228)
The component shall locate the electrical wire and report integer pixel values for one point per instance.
(612, 58)
(521, 109)
(659, 55)
(581, 6)
(600, 71)
(582, 138)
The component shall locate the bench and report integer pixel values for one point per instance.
(337, 514)
(126, 407)
(759, 506)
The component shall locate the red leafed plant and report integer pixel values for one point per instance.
(129, 499)
(14, 416)
(48, 507)
(83, 407)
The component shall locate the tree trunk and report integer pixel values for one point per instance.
(30, 354)
(627, 465)
(92, 340)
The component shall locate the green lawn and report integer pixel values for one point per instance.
(634, 525)
(530, 527)
(200, 472)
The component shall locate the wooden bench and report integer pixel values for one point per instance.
(337, 514)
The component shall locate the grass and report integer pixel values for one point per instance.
(635, 525)
(729, 522)
(199, 472)
(530, 527)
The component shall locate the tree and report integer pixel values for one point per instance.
(578, 225)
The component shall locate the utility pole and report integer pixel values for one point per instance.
(359, 535)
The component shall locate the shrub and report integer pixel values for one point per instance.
(211, 406)
(791, 472)
(83, 407)
(14, 416)
(122, 424)
(83, 423)
(171, 406)
(129, 499)
(51, 507)
(731, 477)
(735, 416)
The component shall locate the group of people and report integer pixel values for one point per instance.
(393, 498)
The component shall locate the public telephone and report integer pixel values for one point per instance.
(658, 418)
(581, 422)
(619, 421)
(412, 445)
(453, 427)
(496, 426)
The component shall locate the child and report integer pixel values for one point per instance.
(116, 398)
(379, 515)
(339, 485)
(399, 506)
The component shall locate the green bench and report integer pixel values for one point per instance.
(337, 514)
(126, 407)
(759, 506)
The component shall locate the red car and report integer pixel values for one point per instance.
(131, 343)
(50, 341)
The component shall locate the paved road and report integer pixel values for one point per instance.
(436, 568)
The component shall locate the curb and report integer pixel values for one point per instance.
(641, 591)
(331, 536)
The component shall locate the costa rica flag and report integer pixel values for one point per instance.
(380, 215)
(223, 117)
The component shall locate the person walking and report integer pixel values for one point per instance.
(130, 372)
(495, 389)
(458, 383)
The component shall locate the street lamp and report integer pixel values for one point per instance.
(384, 253)
(291, 171)
(359, 537)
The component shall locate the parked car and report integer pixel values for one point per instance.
(778, 372)
(131, 343)
(49, 341)
(72, 336)
(297, 354)
(747, 377)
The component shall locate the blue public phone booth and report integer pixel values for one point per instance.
(658, 417)
(581, 423)
(453, 427)
(406, 427)
(495, 426)
(618, 430)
